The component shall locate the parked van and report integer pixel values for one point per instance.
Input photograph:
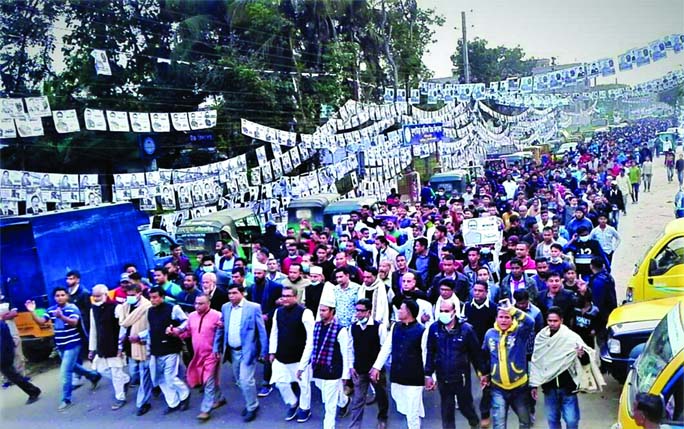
(659, 371)
(238, 227)
(660, 273)
(310, 209)
(37, 251)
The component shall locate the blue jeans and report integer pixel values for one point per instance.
(558, 402)
(518, 399)
(70, 366)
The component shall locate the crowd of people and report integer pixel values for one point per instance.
(393, 302)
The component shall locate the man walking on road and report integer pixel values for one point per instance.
(133, 322)
(556, 348)
(103, 348)
(165, 350)
(367, 337)
(507, 344)
(679, 167)
(330, 360)
(204, 367)
(242, 339)
(290, 346)
(635, 180)
(405, 344)
(452, 346)
(65, 319)
(7, 350)
(607, 236)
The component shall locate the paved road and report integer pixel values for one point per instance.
(91, 410)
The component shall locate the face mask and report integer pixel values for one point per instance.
(485, 251)
(98, 303)
(314, 283)
(131, 300)
(305, 268)
(445, 318)
(584, 238)
(207, 269)
(363, 321)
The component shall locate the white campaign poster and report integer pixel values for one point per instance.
(198, 120)
(66, 121)
(210, 117)
(29, 127)
(160, 122)
(481, 230)
(38, 107)
(95, 120)
(118, 121)
(140, 122)
(101, 62)
(180, 122)
(12, 108)
(7, 129)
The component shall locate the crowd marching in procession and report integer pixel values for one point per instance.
(389, 304)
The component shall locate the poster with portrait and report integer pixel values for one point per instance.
(658, 50)
(255, 176)
(277, 168)
(197, 193)
(266, 173)
(140, 122)
(35, 203)
(7, 129)
(118, 121)
(137, 182)
(66, 121)
(152, 180)
(184, 196)
(38, 107)
(95, 120)
(294, 157)
(180, 122)
(87, 181)
(277, 150)
(68, 182)
(12, 108)
(261, 155)
(643, 56)
(147, 200)
(286, 162)
(93, 196)
(168, 197)
(160, 122)
(102, 66)
(29, 127)
(8, 208)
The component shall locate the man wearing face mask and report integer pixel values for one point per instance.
(452, 346)
(584, 249)
(217, 296)
(133, 322)
(103, 342)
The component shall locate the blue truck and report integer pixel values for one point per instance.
(36, 252)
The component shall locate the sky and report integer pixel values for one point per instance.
(574, 31)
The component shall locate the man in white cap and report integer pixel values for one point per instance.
(290, 346)
(313, 292)
(330, 360)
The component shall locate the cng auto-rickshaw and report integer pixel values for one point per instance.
(453, 182)
(239, 227)
(310, 209)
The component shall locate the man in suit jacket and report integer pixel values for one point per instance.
(242, 340)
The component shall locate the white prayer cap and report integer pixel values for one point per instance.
(328, 298)
(259, 266)
(314, 269)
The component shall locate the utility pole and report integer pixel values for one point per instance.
(466, 64)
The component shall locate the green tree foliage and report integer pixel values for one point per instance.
(489, 64)
(269, 61)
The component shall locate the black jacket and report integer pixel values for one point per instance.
(450, 353)
(564, 299)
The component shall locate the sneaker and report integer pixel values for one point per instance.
(143, 410)
(64, 405)
(291, 413)
(265, 391)
(95, 381)
(203, 416)
(303, 416)
(118, 404)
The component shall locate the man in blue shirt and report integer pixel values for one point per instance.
(65, 318)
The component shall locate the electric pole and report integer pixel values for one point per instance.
(466, 64)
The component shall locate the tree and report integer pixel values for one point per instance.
(491, 64)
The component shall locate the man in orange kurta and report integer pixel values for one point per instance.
(204, 367)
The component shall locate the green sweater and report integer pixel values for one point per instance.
(634, 174)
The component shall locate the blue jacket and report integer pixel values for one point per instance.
(252, 333)
(450, 353)
(508, 351)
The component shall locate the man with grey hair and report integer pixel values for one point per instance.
(103, 349)
(217, 297)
